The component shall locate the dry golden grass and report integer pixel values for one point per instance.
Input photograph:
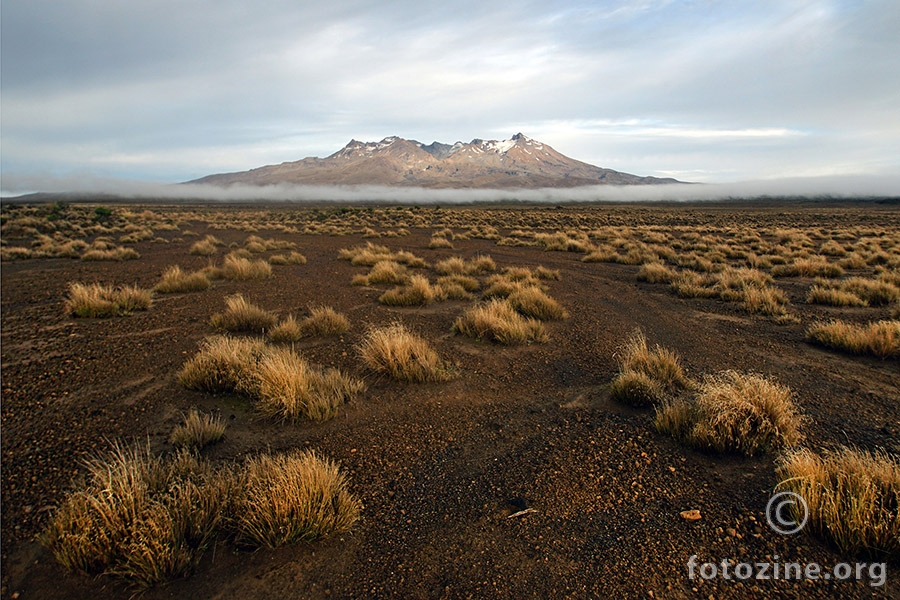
(174, 280)
(457, 266)
(403, 355)
(384, 272)
(879, 338)
(418, 292)
(532, 302)
(296, 258)
(223, 364)
(469, 284)
(815, 266)
(239, 269)
(656, 273)
(117, 254)
(833, 297)
(139, 517)
(498, 321)
(324, 320)
(689, 284)
(852, 497)
(198, 430)
(96, 300)
(876, 292)
(562, 242)
(733, 412)
(370, 254)
(289, 330)
(438, 242)
(203, 248)
(287, 387)
(241, 315)
(291, 498)
(647, 376)
(765, 300)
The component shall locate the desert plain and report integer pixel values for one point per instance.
(518, 471)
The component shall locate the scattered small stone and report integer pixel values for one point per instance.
(691, 515)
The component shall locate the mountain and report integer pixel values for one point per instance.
(519, 162)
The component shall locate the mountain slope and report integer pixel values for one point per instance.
(519, 162)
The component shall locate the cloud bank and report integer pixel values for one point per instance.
(814, 188)
(701, 91)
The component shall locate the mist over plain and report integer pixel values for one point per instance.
(835, 187)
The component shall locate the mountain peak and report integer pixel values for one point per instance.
(519, 162)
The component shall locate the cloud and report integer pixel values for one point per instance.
(171, 91)
(813, 187)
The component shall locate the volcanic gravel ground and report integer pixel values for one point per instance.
(444, 470)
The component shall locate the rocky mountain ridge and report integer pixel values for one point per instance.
(519, 162)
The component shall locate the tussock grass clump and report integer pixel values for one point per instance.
(532, 302)
(204, 248)
(174, 280)
(117, 254)
(198, 430)
(808, 267)
(765, 300)
(384, 272)
(288, 330)
(438, 242)
(402, 354)
(287, 387)
(733, 412)
(240, 269)
(690, 284)
(469, 284)
(833, 297)
(322, 321)
(139, 517)
(291, 498)
(241, 315)
(97, 300)
(875, 292)
(853, 498)
(418, 292)
(370, 254)
(294, 258)
(457, 266)
(562, 242)
(223, 364)
(647, 376)
(879, 338)
(656, 273)
(498, 321)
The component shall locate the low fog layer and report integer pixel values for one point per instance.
(828, 187)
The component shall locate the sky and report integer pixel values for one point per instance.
(702, 90)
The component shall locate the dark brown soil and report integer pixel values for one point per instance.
(442, 467)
